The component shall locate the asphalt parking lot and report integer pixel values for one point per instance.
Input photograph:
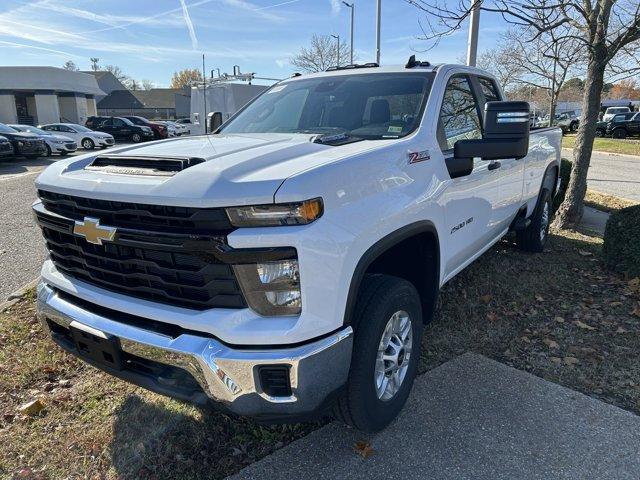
(22, 250)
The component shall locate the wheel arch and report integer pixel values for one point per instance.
(395, 245)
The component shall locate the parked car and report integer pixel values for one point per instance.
(611, 111)
(82, 135)
(180, 128)
(624, 125)
(24, 144)
(186, 122)
(172, 131)
(6, 149)
(94, 121)
(288, 264)
(601, 126)
(55, 143)
(125, 129)
(567, 121)
(160, 131)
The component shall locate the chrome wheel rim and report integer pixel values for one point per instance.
(394, 355)
(544, 221)
(86, 144)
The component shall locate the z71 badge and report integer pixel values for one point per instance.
(415, 157)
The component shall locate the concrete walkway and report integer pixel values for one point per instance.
(473, 418)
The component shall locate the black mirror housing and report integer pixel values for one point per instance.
(506, 133)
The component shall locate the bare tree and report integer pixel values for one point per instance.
(321, 54)
(94, 63)
(606, 29)
(147, 84)
(118, 73)
(499, 62)
(70, 65)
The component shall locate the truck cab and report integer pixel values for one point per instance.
(285, 266)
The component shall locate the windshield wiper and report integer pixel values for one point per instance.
(335, 139)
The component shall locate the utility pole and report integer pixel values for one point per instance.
(378, 20)
(472, 46)
(352, 6)
(204, 92)
(337, 37)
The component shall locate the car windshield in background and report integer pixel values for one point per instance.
(81, 128)
(5, 129)
(375, 106)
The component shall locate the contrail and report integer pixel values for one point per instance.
(187, 20)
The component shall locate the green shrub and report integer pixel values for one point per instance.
(621, 248)
(565, 175)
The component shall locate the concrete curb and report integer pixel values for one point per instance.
(17, 295)
(610, 154)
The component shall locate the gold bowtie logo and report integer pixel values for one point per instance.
(93, 232)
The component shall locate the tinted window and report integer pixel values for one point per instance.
(459, 118)
(489, 90)
(118, 123)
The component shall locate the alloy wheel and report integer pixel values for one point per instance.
(394, 354)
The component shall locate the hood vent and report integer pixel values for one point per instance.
(142, 165)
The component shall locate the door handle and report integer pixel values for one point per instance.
(494, 165)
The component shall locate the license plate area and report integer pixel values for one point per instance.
(96, 345)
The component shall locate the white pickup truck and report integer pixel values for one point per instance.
(286, 265)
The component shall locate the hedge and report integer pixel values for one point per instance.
(565, 175)
(621, 250)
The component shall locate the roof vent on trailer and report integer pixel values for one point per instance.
(412, 62)
(142, 165)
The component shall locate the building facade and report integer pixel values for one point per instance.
(41, 95)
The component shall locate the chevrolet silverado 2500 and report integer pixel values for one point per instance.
(287, 264)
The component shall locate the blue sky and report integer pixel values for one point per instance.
(150, 39)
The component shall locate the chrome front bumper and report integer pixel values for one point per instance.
(225, 375)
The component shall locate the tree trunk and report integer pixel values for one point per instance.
(570, 212)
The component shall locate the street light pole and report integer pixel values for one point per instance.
(337, 37)
(352, 6)
(378, 20)
(472, 46)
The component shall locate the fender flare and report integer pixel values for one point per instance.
(381, 246)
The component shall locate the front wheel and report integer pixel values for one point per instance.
(619, 133)
(386, 350)
(88, 144)
(49, 152)
(534, 237)
(136, 138)
(600, 132)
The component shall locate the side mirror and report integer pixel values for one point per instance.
(215, 120)
(506, 133)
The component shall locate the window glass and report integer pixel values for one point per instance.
(118, 123)
(459, 119)
(489, 90)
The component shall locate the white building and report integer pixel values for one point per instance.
(39, 95)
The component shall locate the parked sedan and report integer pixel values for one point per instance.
(6, 149)
(24, 144)
(180, 128)
(55, 143)
(160, 131)
(83, 136)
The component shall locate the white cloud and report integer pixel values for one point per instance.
(189, 23)
(336, 6)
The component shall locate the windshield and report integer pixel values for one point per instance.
(6, 129)
(81, 128)
(375, 106)
(33, 130)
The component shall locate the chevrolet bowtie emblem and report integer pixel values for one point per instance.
(93, 232)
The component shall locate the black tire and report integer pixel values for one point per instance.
(534, 237)
(574, 126)
(619, 133)
(379, 298)
(600, 132)
(88, 144)
(136, 138)
(49, 152)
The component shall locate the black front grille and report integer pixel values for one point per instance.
(140, 263)
(168, 219)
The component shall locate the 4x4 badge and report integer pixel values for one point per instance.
(93, 232)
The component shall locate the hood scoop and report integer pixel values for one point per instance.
(142, 165)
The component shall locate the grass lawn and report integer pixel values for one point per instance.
(610, 145)
(558, 315)
(605, 202)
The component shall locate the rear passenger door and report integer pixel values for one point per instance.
(469, 201)
(510, 171)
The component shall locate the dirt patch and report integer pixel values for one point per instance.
(558, 315)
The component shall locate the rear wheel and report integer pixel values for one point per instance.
(88, 144)
(534, 237)
(619, 133)
(136, 138)
(600, 132)
(388, 332)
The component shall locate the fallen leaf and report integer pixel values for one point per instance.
(621, 330)
(615, 304)
(571, 360)
(485, 298)
(585, 253)
(555, 359)
(636, 311)
(492, 317)
(583, 325)
(539, 297)
(32, 407)
(363, 448)
(559, 319)
(550, 343)
(525, 339)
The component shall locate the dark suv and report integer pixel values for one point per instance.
(624, 125)
(120, 127)
(159, 131)
(24, 144)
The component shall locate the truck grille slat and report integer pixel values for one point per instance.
(181, 277)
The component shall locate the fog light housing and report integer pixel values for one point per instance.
(271, 288)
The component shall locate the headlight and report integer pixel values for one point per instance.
(21, 144)
(298, 213)
(271, 288)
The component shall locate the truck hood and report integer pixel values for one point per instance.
(239, 169)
